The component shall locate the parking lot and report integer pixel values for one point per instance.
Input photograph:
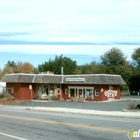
(103, 106)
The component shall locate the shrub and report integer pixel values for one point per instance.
(2, 96)
(8, 96)
(138, 106)
(132, 106)
(11, 98)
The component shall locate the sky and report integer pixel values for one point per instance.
(34, 31)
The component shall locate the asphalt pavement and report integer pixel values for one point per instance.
(116, 108)
(117, 105)
(40, 125)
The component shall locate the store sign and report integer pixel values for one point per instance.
(75, 79)
(110, 94)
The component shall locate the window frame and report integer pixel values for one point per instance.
(89, 91)
(66, 91)
(96, 91)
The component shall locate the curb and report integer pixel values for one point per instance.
(131, 110)
(106, 114)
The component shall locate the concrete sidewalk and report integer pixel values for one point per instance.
(130, 98)
(125, 113)
(135, 115)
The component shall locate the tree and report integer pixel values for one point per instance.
(10, 64)
(6, 70)
(36, 71)
(25, 67)
(92, 68)
(56, 64)
(134, 81)
(17, 68)
(136, 56)
(112, 60)
(1, 74)
(115, 62)
(113, 57)
(135, 77)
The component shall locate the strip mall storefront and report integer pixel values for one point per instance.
(81, 87)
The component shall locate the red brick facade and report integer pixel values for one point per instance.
(22, 92)
(100, 88)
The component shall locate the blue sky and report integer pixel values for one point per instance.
(34, 31)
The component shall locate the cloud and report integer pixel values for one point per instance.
(70, 20)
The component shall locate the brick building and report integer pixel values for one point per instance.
(90, 87)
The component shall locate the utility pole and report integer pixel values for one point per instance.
(62, 73)
(30, 87)
(62, 82)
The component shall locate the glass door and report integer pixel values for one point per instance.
(72, 92)
(80, 93)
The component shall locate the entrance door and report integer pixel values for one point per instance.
(45, 90)
(80, 93)
(72, 92)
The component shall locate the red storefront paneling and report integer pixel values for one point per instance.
(21, 91)
(16, 87)
(101, 96)
(25, 92)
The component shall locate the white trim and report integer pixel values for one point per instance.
(90, 75)
(80, 87)
(83, 88)
(65, 76)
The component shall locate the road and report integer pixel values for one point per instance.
(20, 124)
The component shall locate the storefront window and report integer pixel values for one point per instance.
(59, 86)
(96, 92)
(66, 91)
(89, 93)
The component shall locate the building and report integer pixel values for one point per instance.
(2, 87)
(89, 87)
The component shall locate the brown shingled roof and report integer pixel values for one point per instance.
(82, 79)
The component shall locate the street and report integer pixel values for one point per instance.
(23, 124)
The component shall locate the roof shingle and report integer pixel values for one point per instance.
(67, 79)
